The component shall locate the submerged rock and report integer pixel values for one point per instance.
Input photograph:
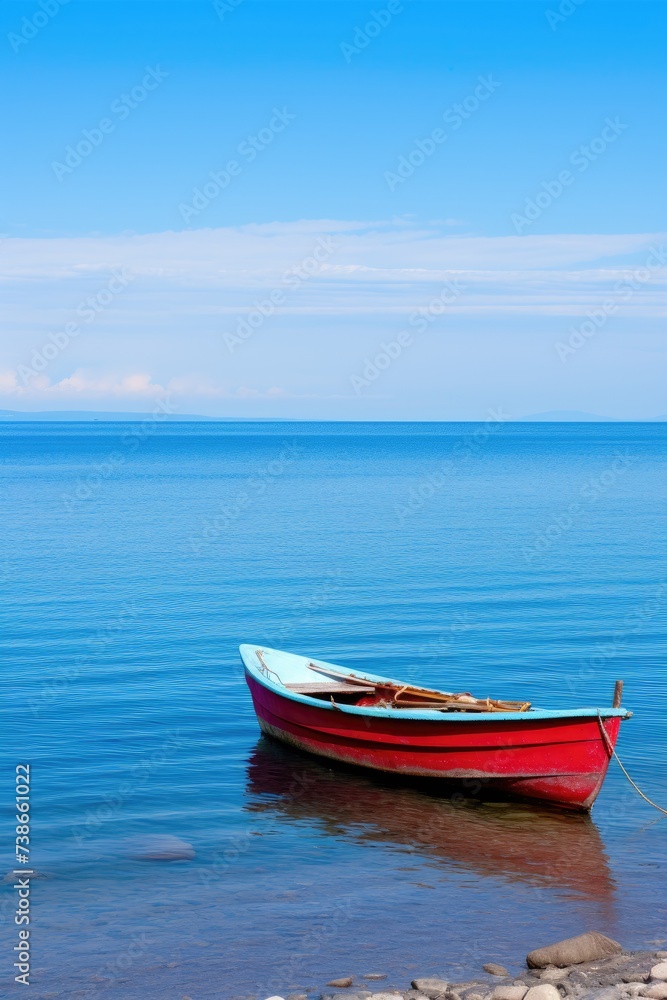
(160, 847)
(495, 970)
(342, 982)
(573, 951)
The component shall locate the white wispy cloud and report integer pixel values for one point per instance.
(164, 305)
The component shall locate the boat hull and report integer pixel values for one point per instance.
(558, 760)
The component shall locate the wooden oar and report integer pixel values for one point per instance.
(462, 702)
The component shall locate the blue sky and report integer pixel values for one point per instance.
(368, 157)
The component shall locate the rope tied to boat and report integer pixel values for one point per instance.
(612, 752)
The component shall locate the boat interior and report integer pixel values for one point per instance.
(339, 687)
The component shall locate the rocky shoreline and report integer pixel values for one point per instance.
(567, 969)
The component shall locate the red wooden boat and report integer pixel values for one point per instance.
(375, 722)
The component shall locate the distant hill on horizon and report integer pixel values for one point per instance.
(106, 416)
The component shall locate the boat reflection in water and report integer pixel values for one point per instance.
(509, 841)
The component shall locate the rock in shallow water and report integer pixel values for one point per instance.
(343, 982)
(495, 970)
(572, 951)
(160, 847)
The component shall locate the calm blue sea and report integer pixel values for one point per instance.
(516, 560)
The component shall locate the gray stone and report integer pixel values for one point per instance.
(375, 975)
(633, 988)
(384, 996)
(545, 991)
(495, 970)
(342, 996)
(659, 971)
(343, 982)
(509, 992)
(661, 954)
(656, 991)
(573, 951)
(430, 986)
(606, 993)
(554, 975)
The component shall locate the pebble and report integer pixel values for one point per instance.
(510, 992)
(634, 988)
(430, 986)
(656, 991)
(343, 982)
(545, 991)
(659, 971)
(495, 970)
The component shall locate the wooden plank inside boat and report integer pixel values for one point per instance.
(329, 688)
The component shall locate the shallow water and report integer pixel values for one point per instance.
(521, 561)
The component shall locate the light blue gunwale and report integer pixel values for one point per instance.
(253, 667)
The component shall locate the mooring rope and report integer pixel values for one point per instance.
(634, 784)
